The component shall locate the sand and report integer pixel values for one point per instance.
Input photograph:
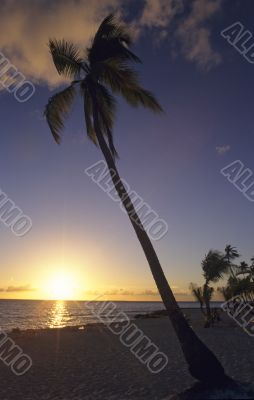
(92, 364)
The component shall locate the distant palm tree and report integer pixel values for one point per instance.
(214, 267)
(241, 284)
(231, 254)
(203, 294)
(243, 269)
(197, 292)
(105, 70)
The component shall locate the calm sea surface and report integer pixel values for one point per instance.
(26, 314)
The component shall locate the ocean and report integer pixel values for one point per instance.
(37, 314)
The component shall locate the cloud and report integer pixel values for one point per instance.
(191, 36)
(149, 292)
(25, 288)
(221, 150)
(177, 292)
(27, 25)
(115, 292)
(159, 13)
(126, 292)
(195, 37)
(111, 292)
(181, 293)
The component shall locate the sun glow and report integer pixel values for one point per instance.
(62, 287)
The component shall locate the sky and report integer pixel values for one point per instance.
(81, 242)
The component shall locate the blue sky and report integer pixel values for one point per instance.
(170, 160)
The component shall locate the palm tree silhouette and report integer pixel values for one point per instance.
(107, 69)
(214, 267)
(243, 269)
(198, 293)
(231, 254)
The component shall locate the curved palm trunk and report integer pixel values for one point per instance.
(230, 268)
(207, 300)
(207, 304)
(196, 353)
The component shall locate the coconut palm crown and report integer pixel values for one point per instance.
(106, 69)
(214, 266)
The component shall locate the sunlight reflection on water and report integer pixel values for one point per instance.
(27, 314)
(59, 315)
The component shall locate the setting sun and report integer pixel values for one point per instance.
(62, 287)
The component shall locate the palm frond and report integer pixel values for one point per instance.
(56, 110)
(111, 41)
(111, 28)
(106, 107)
(124, 80)
(137, 96)
(88, 110)
(214, 266)
(115, 73)
(111, 144)
(231, 252)
(66, 58)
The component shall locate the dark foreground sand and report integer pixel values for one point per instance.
(92, 364)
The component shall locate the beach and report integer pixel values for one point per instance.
(92, 363)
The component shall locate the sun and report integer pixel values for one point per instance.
(62, 287)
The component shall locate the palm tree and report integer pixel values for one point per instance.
(243, 269)
(197, 292)
(106, 70)
(214, 267)
(203, 294)
(231, 254)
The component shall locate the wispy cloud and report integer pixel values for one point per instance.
(149, 292)
(25, 288)
(221, 150)
(195, 37)
(111, 292)
(159, 13)
(126, 292)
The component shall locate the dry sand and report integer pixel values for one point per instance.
(92, 364)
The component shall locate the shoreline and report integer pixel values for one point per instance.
(157, 314)
(93, 364)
